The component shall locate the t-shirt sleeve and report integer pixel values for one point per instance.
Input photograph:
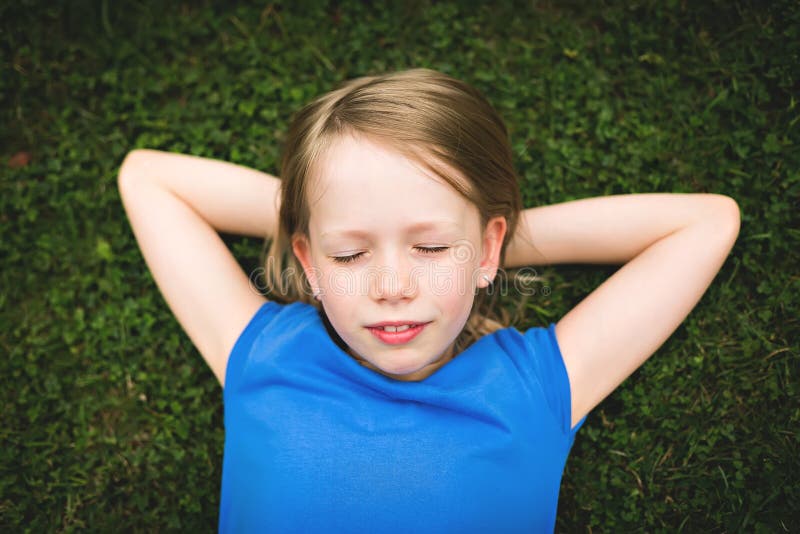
(245, 341)
(548, 364)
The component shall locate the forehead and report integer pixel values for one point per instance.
(365, 186)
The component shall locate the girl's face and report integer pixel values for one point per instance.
(390, 242)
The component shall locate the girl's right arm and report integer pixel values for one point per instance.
(176, 204)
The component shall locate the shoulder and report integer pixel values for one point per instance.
(272, 324)
(536, 354)
(527, 342)
(274, 317)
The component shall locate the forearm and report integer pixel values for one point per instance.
(230, 198)
(612, 229)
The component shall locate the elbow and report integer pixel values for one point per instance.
(727, 215)
(126, 166)
(732, 212)
(134, 160)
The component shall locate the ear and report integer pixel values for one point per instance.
(302, 250)
(492, 244)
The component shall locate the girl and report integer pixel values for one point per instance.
(384, 393)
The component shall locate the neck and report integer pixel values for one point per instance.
(419, 374)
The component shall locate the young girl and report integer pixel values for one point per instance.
(385, 394)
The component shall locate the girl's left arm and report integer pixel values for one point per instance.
(672, 246)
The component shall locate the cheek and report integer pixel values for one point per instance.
(341, 314)
(340, 282)
(343, 282)
(451, 282)
(452, 290)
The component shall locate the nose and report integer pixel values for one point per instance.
(392, 277)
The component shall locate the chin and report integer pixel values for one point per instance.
(401, 372)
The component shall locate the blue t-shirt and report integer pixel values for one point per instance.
(316, 442)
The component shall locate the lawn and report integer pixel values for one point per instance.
(111, 420)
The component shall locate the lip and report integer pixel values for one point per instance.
(395, 323)
(397, 338)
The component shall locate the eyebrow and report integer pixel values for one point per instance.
(414, 228)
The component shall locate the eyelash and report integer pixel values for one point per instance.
(354, 257)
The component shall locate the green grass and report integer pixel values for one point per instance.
(110, 419)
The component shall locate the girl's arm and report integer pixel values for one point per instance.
(672, 245)
(176, 204)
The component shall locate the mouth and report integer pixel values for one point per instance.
(396, 332)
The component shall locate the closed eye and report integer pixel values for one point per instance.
(346, 259)
(354, 257)
(431, 250)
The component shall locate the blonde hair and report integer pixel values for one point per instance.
(428, 117)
